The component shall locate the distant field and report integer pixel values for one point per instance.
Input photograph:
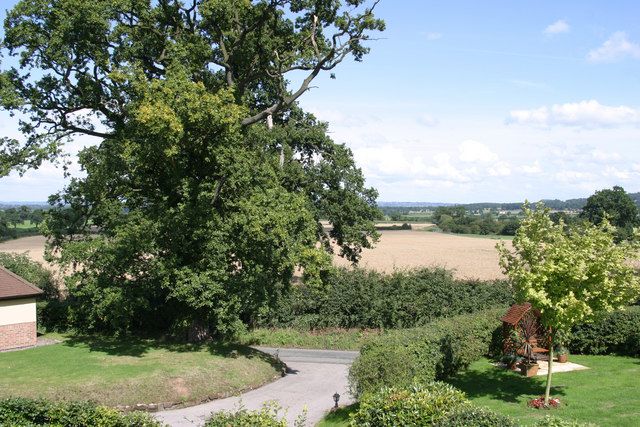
(470, 257)
(475, 258)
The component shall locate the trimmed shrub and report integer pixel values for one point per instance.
(470, 415)
(268, 416)
(367, 299)
(433, 352)
(416, 405)
(616, 333)
(38, 412)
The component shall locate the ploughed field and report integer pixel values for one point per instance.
(470, 257)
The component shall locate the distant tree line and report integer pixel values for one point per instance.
(458, 219)
(19, 221)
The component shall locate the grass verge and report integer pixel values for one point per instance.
(607, 394)
(338, 418)
(326, 339)
(130, 371)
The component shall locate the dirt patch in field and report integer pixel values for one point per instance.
(470, 257)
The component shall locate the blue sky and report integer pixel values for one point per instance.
(464, 101)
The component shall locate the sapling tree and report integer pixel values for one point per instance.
(571, 275)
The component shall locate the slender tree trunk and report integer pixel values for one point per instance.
(548, 389)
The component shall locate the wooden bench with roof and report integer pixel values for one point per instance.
(525, 320)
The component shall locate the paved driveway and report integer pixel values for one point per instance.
(313, 377)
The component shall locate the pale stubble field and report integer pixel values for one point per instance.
(470, 257)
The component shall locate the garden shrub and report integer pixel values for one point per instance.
(362, 298)
(432, 352)
(470, 415)
(616, 333)
(268, 416)
(39, 412)
(415, 405)
(31, 271)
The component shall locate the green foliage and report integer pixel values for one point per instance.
(415, 405)
(189, 220)
(29, 412)
(470, 415)
(457, 219)
(31, 271)
(617, 332)
(267, 417)
(617, 207)
(571, 277)
(362, 298)
(432, 352)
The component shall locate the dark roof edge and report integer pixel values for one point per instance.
(36, 290)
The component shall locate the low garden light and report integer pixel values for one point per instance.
(336, 399)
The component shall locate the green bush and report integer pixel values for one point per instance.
(268, 416)
(31, 271)
(416, 405)
(470, 415)
(367, 299)
(616, 333)
(433, 352)
(30, 412)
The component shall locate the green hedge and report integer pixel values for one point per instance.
(416, 405)
(367, 299)
(616, 333)
(30, 412)
(470, 415)
(270, 415)
(433, 352)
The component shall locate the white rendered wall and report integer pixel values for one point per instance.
(17, 311)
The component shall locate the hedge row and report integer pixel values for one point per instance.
(616, 333)
(432, 352)
(434, 404)
(367, 299)
(38, 412)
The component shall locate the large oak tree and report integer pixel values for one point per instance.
(193, 214)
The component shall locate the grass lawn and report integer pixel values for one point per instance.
(339, 418)
(608, 394)
(327, 339)
(127, 371)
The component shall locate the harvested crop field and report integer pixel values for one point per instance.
(470, 257)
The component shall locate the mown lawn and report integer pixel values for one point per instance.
(608, 394)
(129, 371)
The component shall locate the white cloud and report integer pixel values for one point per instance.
(499, 169)
(532, 169)
(617, 47)
(560, 26)
(614, 172)
(433, 36)
(475, 152)
(604, 156)
(586, 114)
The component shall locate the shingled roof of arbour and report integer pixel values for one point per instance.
(13, 286)
(515, 313)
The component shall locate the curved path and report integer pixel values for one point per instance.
(313, 376)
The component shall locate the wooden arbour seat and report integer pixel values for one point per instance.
(525, 321)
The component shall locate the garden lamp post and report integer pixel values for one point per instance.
(336, 399)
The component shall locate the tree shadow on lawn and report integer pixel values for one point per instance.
(500, 384)
(138, 347)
